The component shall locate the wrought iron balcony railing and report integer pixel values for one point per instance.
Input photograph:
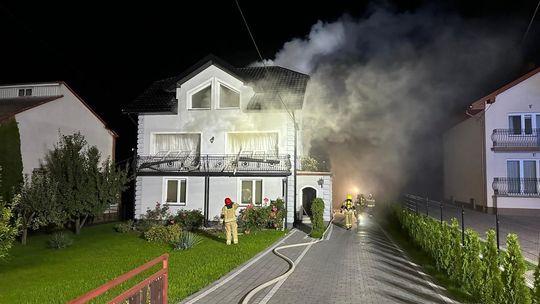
(215, 164)
(516, 138)
(508, 186)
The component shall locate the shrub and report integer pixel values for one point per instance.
(277, 214)
(472, 263)
(160, 214)
(492, 287)
(187, 241)
(125, 227)
(536, 287)
(317, 210)
(515, 288)
(59, 240)
(189, 220)
(9, 229)
(163, 234)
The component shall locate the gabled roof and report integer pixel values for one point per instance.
(12, 106)
(270, 84)
(480, 104)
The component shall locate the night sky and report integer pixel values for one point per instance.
(109, 53)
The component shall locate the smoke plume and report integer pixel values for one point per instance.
(383, 89)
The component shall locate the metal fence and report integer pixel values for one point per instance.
(526, 227)
(510, 186)
(527, 137)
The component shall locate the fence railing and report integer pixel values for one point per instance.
(151, 290)
(516, 138)
(509, 186)
(227, 163)
(525, 226)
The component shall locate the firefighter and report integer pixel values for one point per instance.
(349, 209)
(228, 214)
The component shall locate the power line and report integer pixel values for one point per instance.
(264, 64)
(530, 23)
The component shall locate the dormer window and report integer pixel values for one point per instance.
(228, 98)
(25, 92)
(202, 99)
(213, 94)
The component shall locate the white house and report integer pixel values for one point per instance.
(217, 131)
(492, 159)
(43, 111)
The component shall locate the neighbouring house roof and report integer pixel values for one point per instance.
(9, 107)
(271, 85)
(480, 104)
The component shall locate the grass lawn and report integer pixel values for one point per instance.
(391, 225)
(36, 274)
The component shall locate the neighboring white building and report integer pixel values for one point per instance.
(217, 131)
(43, 112)
(493, 157)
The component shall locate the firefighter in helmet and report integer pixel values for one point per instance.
(349, 209)
(228, 214)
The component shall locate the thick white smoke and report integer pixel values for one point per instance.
(383, 87)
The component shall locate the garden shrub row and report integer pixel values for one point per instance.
(254, 218)
(477, 266)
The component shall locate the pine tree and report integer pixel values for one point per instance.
(515, 288)
(492, 287)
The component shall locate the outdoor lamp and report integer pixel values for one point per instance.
(212, 140)
(320, 182)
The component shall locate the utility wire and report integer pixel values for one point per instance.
(264, 64)
(530, 23)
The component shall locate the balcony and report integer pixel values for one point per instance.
(516, 140)
(214, 165)
(519, 187)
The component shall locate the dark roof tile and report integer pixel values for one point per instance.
(12, 106)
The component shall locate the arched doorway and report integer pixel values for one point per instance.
(308, 195)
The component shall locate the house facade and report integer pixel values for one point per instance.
(217, 131)
(492, 159)
(43, 112)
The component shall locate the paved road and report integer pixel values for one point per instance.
(357, 266)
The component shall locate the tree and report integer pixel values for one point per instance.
(85, 188)
(536, 288)
(472, 264)
(9, 226)
(38, 205)
(491, 290)
(515, 288)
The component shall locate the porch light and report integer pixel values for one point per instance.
(320, 182)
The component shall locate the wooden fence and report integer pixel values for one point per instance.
(152, 290)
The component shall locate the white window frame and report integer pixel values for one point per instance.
(522, 115)
(164, 191)
(253, 188)
(220, 83)
(521, 168)
(195, 90)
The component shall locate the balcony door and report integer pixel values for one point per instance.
(529, 177)
(513, 174)
(522, 176)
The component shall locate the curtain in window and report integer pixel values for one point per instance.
(177, 142)
(512, 168)
(529, 174)
(252, 142)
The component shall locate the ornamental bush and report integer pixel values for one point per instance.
(125, 227)
(536, 287)
(187, 241)
(163, 234)
(190, 220)
(317, 222)
(515, 288)
(59, 240)
(492, 286)
(471, 271)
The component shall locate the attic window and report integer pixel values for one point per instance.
(228, 98)
(25, 92)
(202, 98)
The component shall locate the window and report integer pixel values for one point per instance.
(28, 92)
(175, 191)
(202, 99)
(522, 176)
(21, 92)
(228, 98)
(177, 142)
(251, 192)
(258, 142)
(523, 124)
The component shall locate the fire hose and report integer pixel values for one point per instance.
(292, 266)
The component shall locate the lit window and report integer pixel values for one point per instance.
(252, 192)
(175, 191)
(228, 98)
(202, 98)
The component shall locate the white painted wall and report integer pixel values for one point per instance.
(463, 161)
(505, 202)
(522, 98)
(325, 192)
(40, 127)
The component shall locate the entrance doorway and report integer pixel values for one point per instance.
(308, 195)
